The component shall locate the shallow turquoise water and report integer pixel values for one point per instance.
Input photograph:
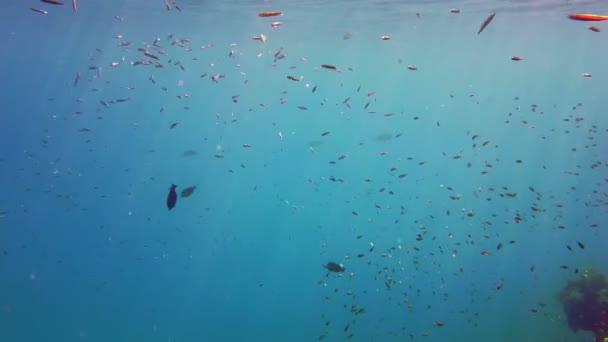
(406, 177)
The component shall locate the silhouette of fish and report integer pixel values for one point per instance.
(188, 191)
(486, 23)
(334, 267)
(172, 197)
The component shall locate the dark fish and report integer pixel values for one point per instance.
(151, 55)
(77, 78)
(39, 10)
(486, 23)
(333, 267)
(188, 191)
(53, 2)
(172, 197)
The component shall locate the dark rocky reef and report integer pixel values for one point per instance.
(585, 302)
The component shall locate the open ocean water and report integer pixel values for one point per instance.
(437, 184)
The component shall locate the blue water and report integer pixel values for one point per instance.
(90, 252)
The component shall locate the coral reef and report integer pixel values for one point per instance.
(585, 302)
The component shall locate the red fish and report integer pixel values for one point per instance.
(269, 14)
(587, 17)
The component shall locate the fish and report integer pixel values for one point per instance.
(334, 267)
(214, 78)
(261, 38)
(53, 2)
(269, 14)
(293, 78)
(329, 66)
(77, 78)
(172, 197)
(74, 6)
(146, 53)
(587, 17)
(188, 191)
(39, 10)
(486, 23)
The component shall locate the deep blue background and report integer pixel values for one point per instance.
(89, 251)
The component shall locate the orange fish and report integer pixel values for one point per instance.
(515, 58)
(588, 17)
(485, 253)
(594, 29)
(269, 14)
